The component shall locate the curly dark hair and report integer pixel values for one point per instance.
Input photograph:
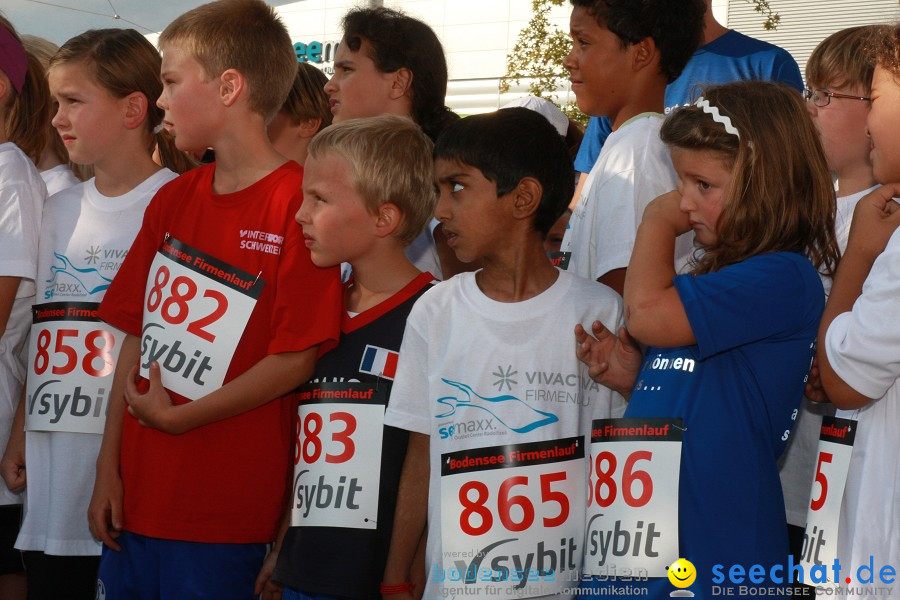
(675, 27)
(399, 41)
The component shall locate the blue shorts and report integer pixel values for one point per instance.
(154, 569)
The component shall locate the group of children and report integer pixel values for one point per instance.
(237, 421)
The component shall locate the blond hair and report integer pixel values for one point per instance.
(781, 196)
(840, 60)
(245, 35)
(391, 161)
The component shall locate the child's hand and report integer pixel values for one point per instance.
(875, 219)
(667, 209)
(12, 466)
(265, 587)
(105, 509)
(153, 408)
(814, 390)
(613, 361)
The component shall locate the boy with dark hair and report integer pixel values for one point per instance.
(224, 313)
(624, 53)
(305, 113)
(488, 383)
(725, 56)
(369, 190)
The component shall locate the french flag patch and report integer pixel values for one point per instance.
(379, 362)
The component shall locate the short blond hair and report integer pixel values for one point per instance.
(841, 60)
(245, 35)
(391, 161)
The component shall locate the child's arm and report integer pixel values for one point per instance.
(265, 587)
(875, 219)
(12, 465)
(612, 360)
(8, 288)
(270, 378)
(654, 313)
(410, 515)
(105, 509)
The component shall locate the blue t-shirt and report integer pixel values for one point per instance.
(737, 391)
(730, 57)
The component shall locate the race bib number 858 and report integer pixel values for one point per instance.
(71, 360)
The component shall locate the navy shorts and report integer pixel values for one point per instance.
(152, 569)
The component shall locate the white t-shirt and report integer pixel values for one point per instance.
(798, 463)
(863, 348)
(22, 195)
(422, 252)
(58, 179)
(477, 373)
(84, 239)
(633, 168)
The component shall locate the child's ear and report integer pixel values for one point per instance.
(309, 127)
(644, 54)
(136, 106)
(231, 86)
(389, 219)
(527, 197)
(401, 83)
(4, 88)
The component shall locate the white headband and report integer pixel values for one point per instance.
(718, 117)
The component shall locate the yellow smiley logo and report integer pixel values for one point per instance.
(682, 573)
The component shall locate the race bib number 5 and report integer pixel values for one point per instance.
(71, 360)
(337, 455)
(832, 465)
(196, 308)
(632, 516)
(512, 517)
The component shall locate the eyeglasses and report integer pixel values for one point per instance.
(822, 97)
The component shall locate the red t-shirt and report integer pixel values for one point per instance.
(225, 482)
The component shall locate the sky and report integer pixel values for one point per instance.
(59, 20)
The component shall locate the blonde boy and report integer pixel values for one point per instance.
(839, 79)
(224, 313)
(369, 191)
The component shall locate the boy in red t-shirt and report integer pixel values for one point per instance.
(224, 313)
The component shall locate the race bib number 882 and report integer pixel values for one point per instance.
(196, 308)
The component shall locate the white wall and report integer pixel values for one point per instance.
(476, 34)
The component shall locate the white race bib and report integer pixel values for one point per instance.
(196, 308)
(632, 515)
(337, 455)
(824, 513)
(512, 518)
(71, 361)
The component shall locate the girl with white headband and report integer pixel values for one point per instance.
(730, 343)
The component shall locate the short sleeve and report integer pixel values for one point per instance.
(20, 223)
(595, 135)
(766, 296)
(863, 345)
(408, 404)
(308, 299)
(786, 71)
(122, 305)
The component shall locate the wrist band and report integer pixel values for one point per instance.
(388, 589)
